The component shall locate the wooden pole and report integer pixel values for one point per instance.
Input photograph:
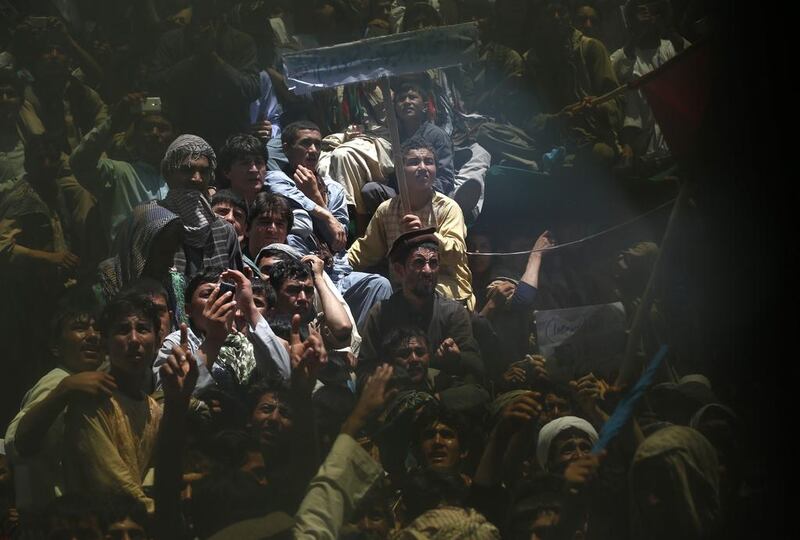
(630, 369)
(394, 133)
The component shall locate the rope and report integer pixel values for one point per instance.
(585, 239)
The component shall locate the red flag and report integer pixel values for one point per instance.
(678, 92)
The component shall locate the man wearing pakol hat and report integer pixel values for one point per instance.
(415, 260)
(188, 167)
(427, 208)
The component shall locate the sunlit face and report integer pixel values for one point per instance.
(419, 165)
(305, 149)
(295, 297)
(233, 215)
(420, 273)
(246, 175)
(132, 343)
(414, 357)
(409, 105)
(79, 347)
(266, 229)
(441, 447)
(192, 174)
(271, 420)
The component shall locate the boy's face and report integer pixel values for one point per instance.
(79, 345)
(419, 165)
(246, 175)
(132, 343)
(233, 215)
(271, 419)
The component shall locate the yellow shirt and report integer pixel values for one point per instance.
(455, 278)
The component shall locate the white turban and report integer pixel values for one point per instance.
(550, 431)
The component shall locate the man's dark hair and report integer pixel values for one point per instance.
(431, 415)
(124, 305)
(278, 255)
(76, 303)
(229, 448)
(209, 274)
(545, 491)
(397, 337)
(427, 489)
(413, 85)
(146, 286)
(270, 203)
(231, 197)
(71, 508)
(118, 506)
(236, 147)
(265, 385)
(41, 146)
(415, 143)
(221, 499)
(289, 133)
(283, 271)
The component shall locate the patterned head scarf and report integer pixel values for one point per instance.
(132, 246)
(550, 431)
(187, 147)
(693, 472)
(190, 204)
(449, 523)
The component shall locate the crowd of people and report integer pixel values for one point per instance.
(228, 315)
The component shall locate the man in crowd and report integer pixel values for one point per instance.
(209, 54)
(415, 259)
(33, 438)
(314, 199)
(120, 185)
(425, 207)
(188, 166)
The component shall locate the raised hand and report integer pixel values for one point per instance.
(179, 375)
(522, 411)
(374, 399)
(584, 469)
(448, 351)
(307, 357)
(317, 264)
(219, 311)
(588, 390)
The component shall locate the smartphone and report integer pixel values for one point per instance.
(151, 105)
(226, 287)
